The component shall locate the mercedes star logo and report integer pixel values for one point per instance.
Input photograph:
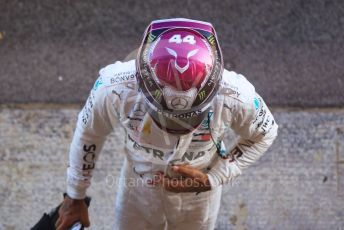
(179, 103)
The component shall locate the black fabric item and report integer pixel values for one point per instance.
(47, 222)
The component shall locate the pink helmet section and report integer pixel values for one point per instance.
(181, 58)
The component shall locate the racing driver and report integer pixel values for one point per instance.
(175, 103)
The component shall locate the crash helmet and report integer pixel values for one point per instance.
(179, 69)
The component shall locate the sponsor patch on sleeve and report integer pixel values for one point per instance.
(256, 103)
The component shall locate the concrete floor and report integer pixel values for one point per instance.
(298, 184)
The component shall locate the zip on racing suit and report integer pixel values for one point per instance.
(115, 99)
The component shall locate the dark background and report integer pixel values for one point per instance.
(292, 51)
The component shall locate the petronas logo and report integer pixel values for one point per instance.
(151, 38)
(211, 40)
(201, 95)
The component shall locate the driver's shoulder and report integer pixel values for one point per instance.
(118, 73)
(235, 86)
(119, 77)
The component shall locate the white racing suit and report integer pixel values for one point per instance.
(115, 98)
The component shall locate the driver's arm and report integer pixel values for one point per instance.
(253, 122)
(95, 122)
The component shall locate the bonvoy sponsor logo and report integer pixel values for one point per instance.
(123, 78)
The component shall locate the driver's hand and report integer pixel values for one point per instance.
(70, 212)
(194, 180)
